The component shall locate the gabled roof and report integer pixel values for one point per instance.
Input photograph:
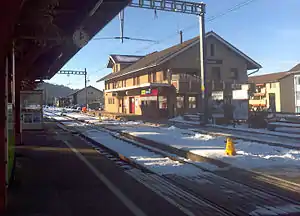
(267, 78)
(122, 59)
(76, 92)
(273, 77)
(295, 68)
(157, 58)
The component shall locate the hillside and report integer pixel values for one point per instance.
(52, 90)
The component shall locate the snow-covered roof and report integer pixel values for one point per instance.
(122, 59)
(129, 59)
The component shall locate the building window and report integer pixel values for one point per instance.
(165, 72)
(136, 80)
(212, 49)
(180, 102)
(149, 77)
(272, 85)
(154, 77)
(216, 73)
(162, 102)
(123, 83)
(192, 102)
(114, 85)
(297, 96)
(111, 101)
(234, 73)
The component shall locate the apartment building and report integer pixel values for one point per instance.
(278, 91)
(166, 83)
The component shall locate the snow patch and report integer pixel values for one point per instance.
(275, 210)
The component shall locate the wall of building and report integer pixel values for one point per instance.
(111, 103)
(274, 88)
(92, 96)
(143, 78)
(190, 59)
(287, 94)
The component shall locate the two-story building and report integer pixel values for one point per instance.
(93, 96)
(278, 91)
(165, 83)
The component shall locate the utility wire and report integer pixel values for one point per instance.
(210, 19)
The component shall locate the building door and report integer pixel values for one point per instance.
(122, 102)
(131, 105)
(272, 102)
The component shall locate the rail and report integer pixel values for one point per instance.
(243, 175)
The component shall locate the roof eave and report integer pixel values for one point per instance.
(253, 66)
(103, 78)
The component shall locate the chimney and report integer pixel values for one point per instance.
(181, 40)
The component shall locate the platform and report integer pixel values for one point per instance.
(51, 180)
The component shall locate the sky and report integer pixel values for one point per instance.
(266, 30)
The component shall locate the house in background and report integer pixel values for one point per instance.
(278, 91)
(165, 83)
(62, 101)
(94, 96)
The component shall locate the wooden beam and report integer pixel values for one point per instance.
(29, 59)
(9, 11)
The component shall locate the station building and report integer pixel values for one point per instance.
(166, 83)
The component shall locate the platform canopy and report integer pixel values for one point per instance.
(47, 33)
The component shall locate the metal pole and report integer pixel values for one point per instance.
(85, 87)
(121, 16)
(204, 92)
(13, 73)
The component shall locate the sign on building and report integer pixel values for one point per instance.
(240, 102)
(217, 95)
(240, 94)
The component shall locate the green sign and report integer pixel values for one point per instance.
(10, 142)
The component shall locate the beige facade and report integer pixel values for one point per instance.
(175, 80)
(228, 61)
(281, 92)
(287, 94)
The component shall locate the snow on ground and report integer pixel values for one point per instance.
(155, 162)
(90, 119)
(152, 161)
(250, 155)
(281, 131)
(180, 119)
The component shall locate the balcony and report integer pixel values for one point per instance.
(185, 83)
(262, 94)
(261, 102)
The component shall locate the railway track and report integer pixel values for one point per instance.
(213, 188)
(261, 137)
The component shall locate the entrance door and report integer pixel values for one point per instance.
(122, 102)
(272, 102)
(131, 105)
